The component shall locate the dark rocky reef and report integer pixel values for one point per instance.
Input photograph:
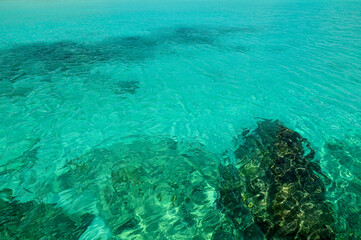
(32, 220)
(277, 181)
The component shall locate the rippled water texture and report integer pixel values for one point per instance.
(143, 119)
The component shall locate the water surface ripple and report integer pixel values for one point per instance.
(115, 116)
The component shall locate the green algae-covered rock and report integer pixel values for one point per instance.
(279, 184)
(237, 222)
(32, 220)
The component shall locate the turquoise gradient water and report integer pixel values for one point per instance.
(76, 77)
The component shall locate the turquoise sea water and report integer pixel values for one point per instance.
(118, 112)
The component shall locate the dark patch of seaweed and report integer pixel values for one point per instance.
(72, 58)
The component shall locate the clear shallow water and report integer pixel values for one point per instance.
(76, 78)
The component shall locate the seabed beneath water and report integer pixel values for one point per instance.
(148, 120)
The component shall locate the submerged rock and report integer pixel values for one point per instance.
(279, 184)
(32, 220)
(147, 188)
(123, 87)
(161, 189)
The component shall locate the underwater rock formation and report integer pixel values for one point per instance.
(147, 188)
(237, 221)
(279, 184)
(161, 189)
(32, 220)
